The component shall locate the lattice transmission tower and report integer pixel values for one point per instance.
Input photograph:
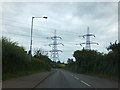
(88, 42)
(55, 51)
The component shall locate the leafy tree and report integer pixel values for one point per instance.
(58, 62)
(16, 61)
(69, 61)
(41, 55)
(92, 61)
(14, 57)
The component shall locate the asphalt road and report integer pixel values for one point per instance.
(65, 79)
(59, 79)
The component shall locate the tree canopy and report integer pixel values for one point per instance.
(92, 61)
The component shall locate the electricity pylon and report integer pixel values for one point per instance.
(88, 42)
(54, 51)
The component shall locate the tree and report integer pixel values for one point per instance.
(92, 61)
(115, 47)
(58, 62)
(41, 55)
(14, 57)
(69, 61)
(40, 52)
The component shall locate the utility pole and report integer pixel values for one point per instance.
(54, 51)
(88, 42)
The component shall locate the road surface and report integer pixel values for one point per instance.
(60, 79)
(65, 79)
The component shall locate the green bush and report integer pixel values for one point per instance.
(16, 62)
(37, 64)
(93, 62)
(13, 57)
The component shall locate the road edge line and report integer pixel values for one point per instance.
(44, 78)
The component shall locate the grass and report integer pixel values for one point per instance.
(106, 76)
(7, 76)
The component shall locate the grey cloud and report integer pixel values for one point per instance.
(69, 19)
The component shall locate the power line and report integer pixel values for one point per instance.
(26, 28)
(42, 27)
(34, 36)
(64, 33)
(23, 35)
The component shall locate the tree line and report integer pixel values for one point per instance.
(16, 61)
(94, 62)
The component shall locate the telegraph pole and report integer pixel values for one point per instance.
(88, 42)
(55, 51)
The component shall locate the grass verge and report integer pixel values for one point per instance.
(7, 76)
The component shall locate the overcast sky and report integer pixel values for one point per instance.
(69, 19)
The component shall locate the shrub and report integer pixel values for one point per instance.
(14, 57)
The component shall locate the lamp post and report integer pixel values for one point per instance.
(30, 51)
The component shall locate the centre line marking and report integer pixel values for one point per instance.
(76, 78)
(85, 83)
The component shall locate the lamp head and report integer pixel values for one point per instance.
(45, 17)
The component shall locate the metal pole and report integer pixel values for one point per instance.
(30, 52)
(31, 39)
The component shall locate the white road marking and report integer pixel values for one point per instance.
(85, 83)
(76, 78)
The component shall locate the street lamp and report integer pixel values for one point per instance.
(30, 51)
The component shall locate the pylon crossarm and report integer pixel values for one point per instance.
(55, 51)
(94, 43)
(58, 37)
(91, 35)
(88, 35)
(60, 44)
(82, 43)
